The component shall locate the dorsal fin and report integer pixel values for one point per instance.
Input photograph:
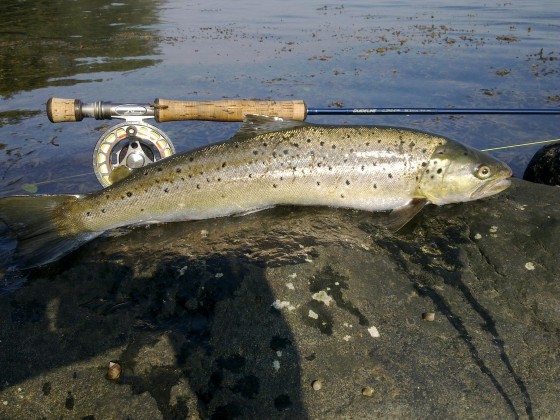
(254, 124)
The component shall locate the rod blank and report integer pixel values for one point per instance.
(430, 111)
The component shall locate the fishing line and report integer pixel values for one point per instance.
(519, 145)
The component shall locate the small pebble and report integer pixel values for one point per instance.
(317, 385)
(373, 332)
(367, 391)
(114, 371)
(428, 316)
(530, 266)
(312, 314)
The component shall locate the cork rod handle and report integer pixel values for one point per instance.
(64, 110)
(226, 110)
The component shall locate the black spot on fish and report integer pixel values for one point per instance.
(347, 182)
(103, 210)
(318, 183)
(224, 165)
(166, 190)
(129, 194)
(424, 150)
(330, 168)
(274, 185)
(351, 150)
(190, 175)
(208, 180)
(333, 146)
(255, 152)
(341, 195)
(183, 178)
(319, 164)
(424, 163)
(122, 197)
(295, 144)
(265, 145)
(390, 175)
(322, 143)
(146, 173)
(347, 136)
(432, 177)
(201, 173)
(374, 186)
(439, 171)
(191, 159)
(427, 171)
(281, 178)
(250, 175)
(88, 213)
(286, 151)
(308, 140)
(159, 169)
(367, 144)
(411, 144)
(178, 170)
(363, 167)
(107, 196)
(378, 141)
(198, 186)
(219, 179)
(141, 209)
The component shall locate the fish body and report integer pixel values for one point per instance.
(269, 162)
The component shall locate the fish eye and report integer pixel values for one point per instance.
(483, 171)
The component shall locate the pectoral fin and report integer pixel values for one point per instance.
(402, 215)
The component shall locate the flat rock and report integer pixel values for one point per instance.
(240, 316)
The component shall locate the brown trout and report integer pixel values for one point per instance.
(269, 162)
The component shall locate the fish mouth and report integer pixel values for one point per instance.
(491, 187)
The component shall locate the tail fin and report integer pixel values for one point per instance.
(31, 220)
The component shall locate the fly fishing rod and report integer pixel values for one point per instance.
(135, 143)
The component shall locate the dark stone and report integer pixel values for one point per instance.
(544, 167)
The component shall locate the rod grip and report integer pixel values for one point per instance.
(64, 110)
(226, 110)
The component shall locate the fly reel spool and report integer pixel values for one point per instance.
(128, 146)
(122, 148)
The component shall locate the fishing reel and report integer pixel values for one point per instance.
(122, 148)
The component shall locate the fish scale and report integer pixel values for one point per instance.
(269, 162)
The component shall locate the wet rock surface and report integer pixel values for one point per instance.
(295, 313)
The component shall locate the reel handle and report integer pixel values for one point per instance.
(226, 110)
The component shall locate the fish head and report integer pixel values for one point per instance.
(457, 173)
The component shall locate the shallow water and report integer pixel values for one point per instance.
(358, 54)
